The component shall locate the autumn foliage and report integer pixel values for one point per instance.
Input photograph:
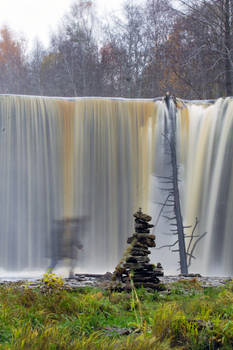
(144, 51)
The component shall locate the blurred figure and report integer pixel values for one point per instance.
(66, 237)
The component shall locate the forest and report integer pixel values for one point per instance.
(183, 46)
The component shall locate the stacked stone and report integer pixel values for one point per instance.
(137, 262)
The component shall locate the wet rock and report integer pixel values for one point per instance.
(139, 225)
(107, 276)
(159, 271)
(137, 259)
(141, 246)
(130, 240)
(151, 285)
(192, 275)
(138, 252)
(143, 279)
(141, 236)
(131, 259)
(142, 259)
(112, 332)
(205, 282)
(98, 280)
(143, 217)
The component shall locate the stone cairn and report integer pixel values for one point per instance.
(135, 267)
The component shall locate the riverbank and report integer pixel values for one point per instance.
(101, 280)
(61, 314)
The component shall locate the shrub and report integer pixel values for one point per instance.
(51, 280)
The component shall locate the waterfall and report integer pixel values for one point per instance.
(207, 152)
(67, 158)
(98, 158)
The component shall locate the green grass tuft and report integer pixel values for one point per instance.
(186, 317)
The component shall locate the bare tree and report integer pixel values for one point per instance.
(171, 139)
(35, 64)
(173, 201)
(160, 19)
(133, 37)
(215, 19)
(71, 64)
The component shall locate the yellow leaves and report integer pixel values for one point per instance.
(96, 296)
(10, 48)
(53, 280)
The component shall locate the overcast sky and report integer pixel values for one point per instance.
(37, 18)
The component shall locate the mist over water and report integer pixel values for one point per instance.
(99, 159)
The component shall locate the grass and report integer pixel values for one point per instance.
(188, 317)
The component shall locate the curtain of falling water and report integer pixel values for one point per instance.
(31, 176)
(207, 154)
(68, 158)
(113, 159)
(94, 158)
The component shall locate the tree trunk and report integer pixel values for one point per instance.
(177, 206)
